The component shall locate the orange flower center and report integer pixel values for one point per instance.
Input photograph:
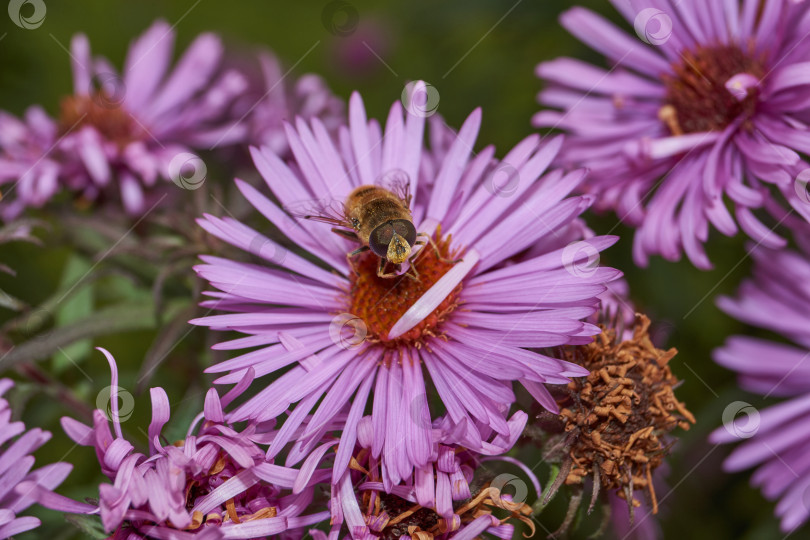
(697, 98)
(113, 122)
(381, 302)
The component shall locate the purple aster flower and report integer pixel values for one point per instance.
(469, 325)
(214, 484)
(643, 526)
(25, 163)
(16, 446)
(450, 496)
(272, 97)
(119, 133)
(776, 298)
(132, 126)
(706, 112)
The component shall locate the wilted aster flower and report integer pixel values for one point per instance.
(448, 497)
(214, 484)
(615, 423)
(713, 112)
(777, 298)
(467, 319)
(16, 447)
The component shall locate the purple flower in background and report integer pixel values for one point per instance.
(25, 164)
(214, 484)
(121, 134)
(452, 495)
(469, 320)
(133, 128)
(273, 97)
(707, 109)
(777, 298)
(16, 461)
(644, 526)
(356, 54)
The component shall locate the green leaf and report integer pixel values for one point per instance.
(554, 470)
(74, 308)
(32, 321)
(89, 525)
(118, 318)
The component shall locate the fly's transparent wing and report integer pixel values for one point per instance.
(328, 210)
(397, 182)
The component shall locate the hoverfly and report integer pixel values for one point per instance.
(378, 217)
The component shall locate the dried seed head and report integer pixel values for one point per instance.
(618, 416)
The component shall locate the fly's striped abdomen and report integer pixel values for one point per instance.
(372, 206)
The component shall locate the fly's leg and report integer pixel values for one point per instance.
(390, 275)
(381, 270)
(351, 235)
(351, 255)
(436, 249)
(413, 273)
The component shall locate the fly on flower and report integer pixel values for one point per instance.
(416, 338)
(378, 217)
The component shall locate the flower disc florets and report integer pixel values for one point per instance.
(701, 95)
(381, 302)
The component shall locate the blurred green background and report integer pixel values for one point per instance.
(476, 53)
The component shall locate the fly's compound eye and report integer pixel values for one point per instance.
(405, 229)
(380, 238)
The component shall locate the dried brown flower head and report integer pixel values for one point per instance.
(615, 420)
